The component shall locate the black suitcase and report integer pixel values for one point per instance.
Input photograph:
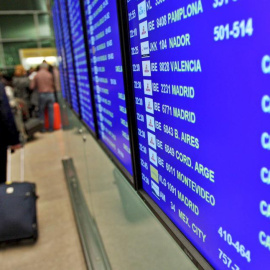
(18, 218)
(32, 126)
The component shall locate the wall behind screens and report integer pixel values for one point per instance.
(201, 80)
(69, 56)
(107, 74)
(79, 53)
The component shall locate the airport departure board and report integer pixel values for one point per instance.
(59, 46)
(57, 39)
(79, 53)
(69, 57)
(107, 74)
(202, 91)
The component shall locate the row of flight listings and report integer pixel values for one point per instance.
(201, 92)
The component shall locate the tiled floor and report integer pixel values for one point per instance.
(132, 236)
(58, 246)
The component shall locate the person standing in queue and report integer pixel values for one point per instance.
(9, 135)
(43, 81)
(20, 83)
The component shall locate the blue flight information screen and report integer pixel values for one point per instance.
(57, 39)
(201, 74)
(107, 74)
(79, 53)
(59, 46)
(69, 57)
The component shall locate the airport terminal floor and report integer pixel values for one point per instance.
(125, 228)
(58, 246)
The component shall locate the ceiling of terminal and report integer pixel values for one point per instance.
(23, 24)
(24, 5)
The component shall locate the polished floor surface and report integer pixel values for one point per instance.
(58, 246)
(132, 236)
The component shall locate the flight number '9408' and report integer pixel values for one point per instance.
(162, 21)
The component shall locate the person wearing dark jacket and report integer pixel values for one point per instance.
(9, 135)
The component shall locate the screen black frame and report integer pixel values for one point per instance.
(61, 37)
(112, 157)
(136, 180)
(78, 114)
(94, 133)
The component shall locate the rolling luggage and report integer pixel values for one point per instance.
(18, 218)
(33, 125)
(57, 117)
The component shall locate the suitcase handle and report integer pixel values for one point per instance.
(9, 161)
(22, 164)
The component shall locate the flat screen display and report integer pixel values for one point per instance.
(69, 57)
(81, 69)
(107, 74)
(201, 74)
(60, 47)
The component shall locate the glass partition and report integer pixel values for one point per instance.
(132, 236)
